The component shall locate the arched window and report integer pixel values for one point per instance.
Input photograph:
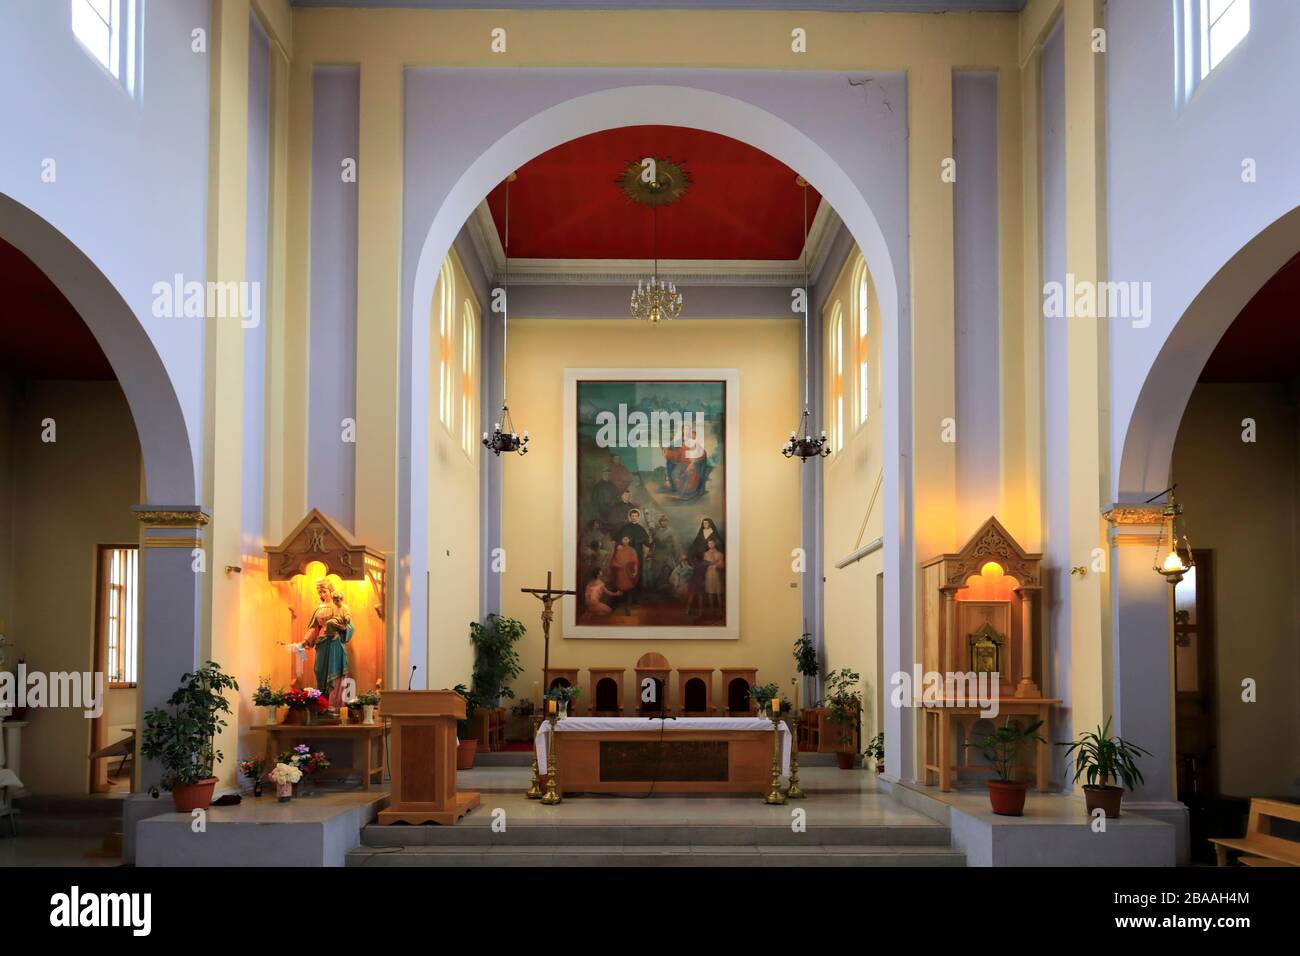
(468, 378)
(835, 376)
(445, 296)
(862, 310)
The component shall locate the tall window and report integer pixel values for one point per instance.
(446, 299)
(119, 588)
(836, 341)
(1211, 29)
(108, 31)
(468, 379)
(862, 293)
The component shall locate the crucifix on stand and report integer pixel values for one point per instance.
(548, 596)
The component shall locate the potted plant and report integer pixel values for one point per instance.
(1002, 749)
(466, 745)
(876, 751)
(496, 662)
(251, 768)
(1100, 758)
(805, 662)
(763, 695)
(270, 699)
(368, 703)
(284, 776)
(844, 702)
(563, 696)
(182, 735)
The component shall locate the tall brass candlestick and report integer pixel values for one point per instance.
(552, 795)
(774, 794)
(535, 786)
(794, 793)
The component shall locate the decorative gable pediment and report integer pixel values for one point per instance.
(319, 537)
(992, 542)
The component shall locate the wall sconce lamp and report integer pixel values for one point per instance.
(1173, 550)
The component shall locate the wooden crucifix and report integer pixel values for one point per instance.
(548, 596)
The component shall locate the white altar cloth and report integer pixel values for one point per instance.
(605, 724)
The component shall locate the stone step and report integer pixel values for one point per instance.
(529, 834)
(524, 758)
(75, 815)
(694, 855)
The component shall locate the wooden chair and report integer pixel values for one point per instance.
(1260, 847)
(654, 666)
(736, 682)
(605, 693)
(695, 691)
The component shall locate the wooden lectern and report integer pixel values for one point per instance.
(424, 757)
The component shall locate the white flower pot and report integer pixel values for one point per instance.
(272, 716)
(368, 713)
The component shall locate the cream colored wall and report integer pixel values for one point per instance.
(766, 353)
(454, 513)
(849, 477)
(69, 496)
(1240, 501)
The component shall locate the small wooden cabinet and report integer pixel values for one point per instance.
(695, 691)
(605, 691)
(736, 683)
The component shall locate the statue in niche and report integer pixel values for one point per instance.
(331, 628)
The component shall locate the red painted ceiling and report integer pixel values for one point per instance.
(566, 203)
(43, 336)
(1263, 342)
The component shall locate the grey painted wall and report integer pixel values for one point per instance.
(977, 284)
(332, 380)
(1177, 207)
(131, 180)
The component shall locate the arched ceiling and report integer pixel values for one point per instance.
(1263, 342)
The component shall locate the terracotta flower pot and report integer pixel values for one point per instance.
(844, 760)
(1008, 798)
(1108, 798)
(465, 754)
(193, 796)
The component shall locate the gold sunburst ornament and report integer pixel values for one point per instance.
(655, 182)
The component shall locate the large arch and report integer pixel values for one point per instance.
(1153, 427)
(159, 422)
(696, 108)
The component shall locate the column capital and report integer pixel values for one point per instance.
(171, 516)
(1136, 524)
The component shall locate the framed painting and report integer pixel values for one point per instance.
(651, 502)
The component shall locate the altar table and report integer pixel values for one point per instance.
(682, 755)
(366, 739)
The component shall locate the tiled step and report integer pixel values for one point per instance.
(697, 855)
(655, 836)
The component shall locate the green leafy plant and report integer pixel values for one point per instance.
(496, 662)
(369, 698)
(805, 656)
(471, 705)
(844, 701)
(1100, 758)
(181, 736)
(564, 692)
(763, 694)
(876, 748)
(264, 696)
(1001, 748)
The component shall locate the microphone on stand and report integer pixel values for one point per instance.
(411, 678)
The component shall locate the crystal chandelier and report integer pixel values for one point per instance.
(503, 437)
(802, 444)
(655, 183)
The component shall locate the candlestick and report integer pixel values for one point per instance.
(535, 784)
(794, 792)
(552, 795)
(774, 794)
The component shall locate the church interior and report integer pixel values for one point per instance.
(602, 434)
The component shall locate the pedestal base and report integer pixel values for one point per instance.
(465, 802)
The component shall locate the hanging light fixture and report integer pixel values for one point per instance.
(1173, 545)
(654, 183)
(503, 437)
(802, 444)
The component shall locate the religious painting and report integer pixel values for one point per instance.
(650, 503)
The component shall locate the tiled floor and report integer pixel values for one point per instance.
(54, 851)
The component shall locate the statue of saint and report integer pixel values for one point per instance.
(331, 627)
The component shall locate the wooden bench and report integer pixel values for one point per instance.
(1259, 846)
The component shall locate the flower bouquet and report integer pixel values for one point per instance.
(284, 776)
(272, 700)
(252, 768)
(306, 702)
(306, 761)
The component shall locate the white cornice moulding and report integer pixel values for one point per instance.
(769, 272)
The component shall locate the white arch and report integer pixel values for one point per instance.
(670, 105)
(1153, 426)
(159, 421)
